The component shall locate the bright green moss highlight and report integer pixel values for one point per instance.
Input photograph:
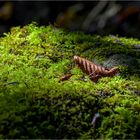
(35, 104)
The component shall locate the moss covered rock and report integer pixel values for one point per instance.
(35, 104)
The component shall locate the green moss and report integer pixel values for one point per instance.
(35, 104)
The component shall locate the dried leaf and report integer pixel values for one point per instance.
(94, 71)
(65, 77)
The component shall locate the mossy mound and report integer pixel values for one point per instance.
(35, 104)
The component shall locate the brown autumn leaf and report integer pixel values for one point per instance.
(94, 71)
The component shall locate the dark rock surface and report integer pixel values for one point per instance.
(121, 59)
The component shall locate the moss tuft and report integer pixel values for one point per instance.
(35, 104)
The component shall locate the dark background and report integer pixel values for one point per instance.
(100, 17)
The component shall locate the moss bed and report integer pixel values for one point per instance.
(35, 104)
